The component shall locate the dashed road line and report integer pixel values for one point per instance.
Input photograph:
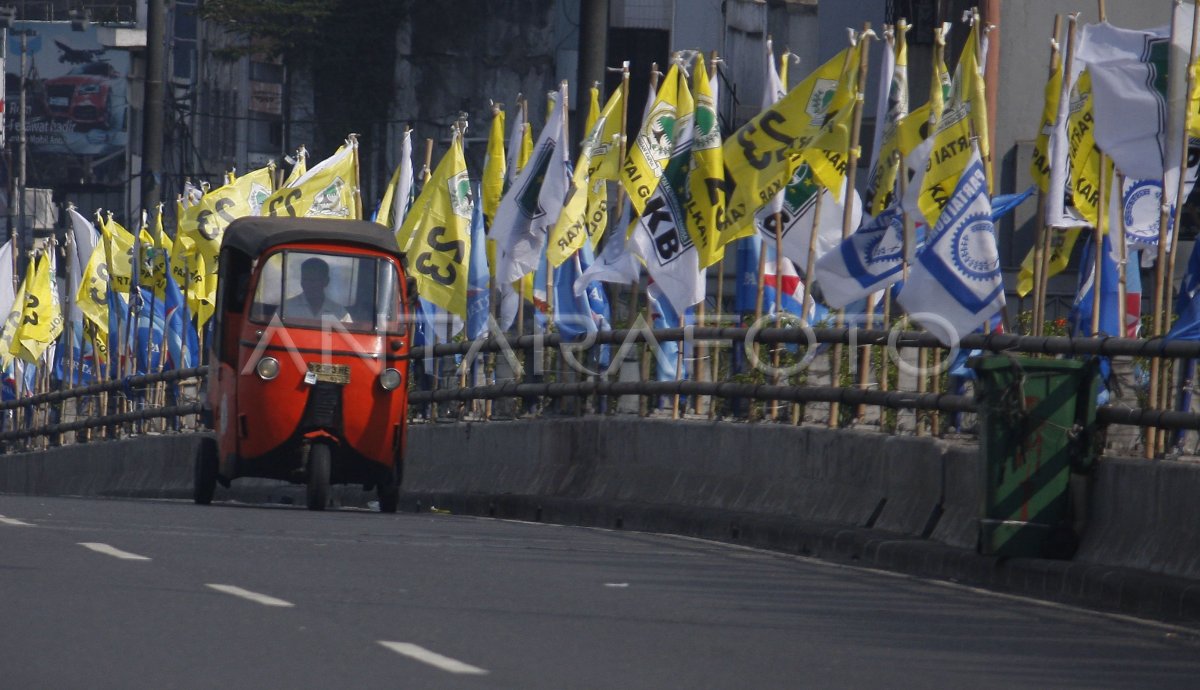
(251, 596)
(112, 551)
(434, 659)
(13, 522)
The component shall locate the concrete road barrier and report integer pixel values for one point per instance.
(905, 503)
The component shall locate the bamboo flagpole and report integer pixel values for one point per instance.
(1098, 244)
(1177, 217)
(1164, 275)
(848, 188)
(1041, 245)
(644, 402)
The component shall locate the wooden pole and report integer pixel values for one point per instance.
(1041, 245)
(851, 178)
(1164, 275)
(649, 318)
(1177, 216)
(1098, 246)
(1123, 263)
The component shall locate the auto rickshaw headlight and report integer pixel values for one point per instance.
(267, 368)
(389, 379)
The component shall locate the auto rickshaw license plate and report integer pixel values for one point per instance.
(329, 373)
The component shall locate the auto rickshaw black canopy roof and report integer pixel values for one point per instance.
(254, 235)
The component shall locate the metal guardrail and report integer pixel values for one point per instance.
(842, 395)
(121, 407)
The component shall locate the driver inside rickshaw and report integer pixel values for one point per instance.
(312, 304)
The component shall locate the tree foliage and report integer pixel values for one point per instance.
(281, 28)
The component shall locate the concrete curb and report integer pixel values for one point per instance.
(1108, 588)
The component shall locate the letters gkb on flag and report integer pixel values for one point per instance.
(955, 284)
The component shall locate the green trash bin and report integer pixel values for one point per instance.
(1037, 420)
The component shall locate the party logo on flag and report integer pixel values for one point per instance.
(818, 102)
(799, 195)
(460, 194)
(888, 244)
(975, 242)
(328, 202)
(661, 140)
(257, 197)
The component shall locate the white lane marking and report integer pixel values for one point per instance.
(112, 551)
(434, 659)
(616, 584)
(13, 522)
(252, 596)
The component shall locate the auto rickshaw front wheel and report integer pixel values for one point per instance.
(319, 460)
(389, 494)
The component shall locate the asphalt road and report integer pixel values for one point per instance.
(161, 594)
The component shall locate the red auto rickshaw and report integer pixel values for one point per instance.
(307, 370)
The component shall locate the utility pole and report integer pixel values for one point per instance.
(152, 122)
(593, 48)
(20, 235)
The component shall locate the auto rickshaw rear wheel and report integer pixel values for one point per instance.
(204, 477)
(319, 460)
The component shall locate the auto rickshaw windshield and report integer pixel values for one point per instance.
(309, 289)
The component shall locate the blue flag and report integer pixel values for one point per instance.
(868, 260)
(955, 283)
(478, 275)
(1187, 304)
(746, 293)
(1080, 316)
(182, 341)
(665, 316)
(1004, 204)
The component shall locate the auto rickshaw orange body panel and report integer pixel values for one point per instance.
(262, 422)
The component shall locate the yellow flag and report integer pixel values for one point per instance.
(1061, 244)
(593, 113)
(651, 149)
(761, 156)
(439, 225)
(298, 170)
(705, 201)
(120, 256)
(494, 168)
(913, 129)
(1193, 102)
(526, 146)
(829, 152)
(13, 321)
(41, 315)
(1083, 154)
(1039, 167)
(881, 187)
(328, 190)
(575, 222)
(951, 145)
(205, 222)
(940, 85)
(92, 296)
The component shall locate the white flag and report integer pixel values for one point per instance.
(616, 263)
(870, 259)
(404, 185)
(955, 283)
(84, 236)
(519, 239)
(661, 238)
(1139, 82)
(798, 215)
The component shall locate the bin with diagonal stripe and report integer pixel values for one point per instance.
(1038, 428)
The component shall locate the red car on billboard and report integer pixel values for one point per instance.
(86, 95)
